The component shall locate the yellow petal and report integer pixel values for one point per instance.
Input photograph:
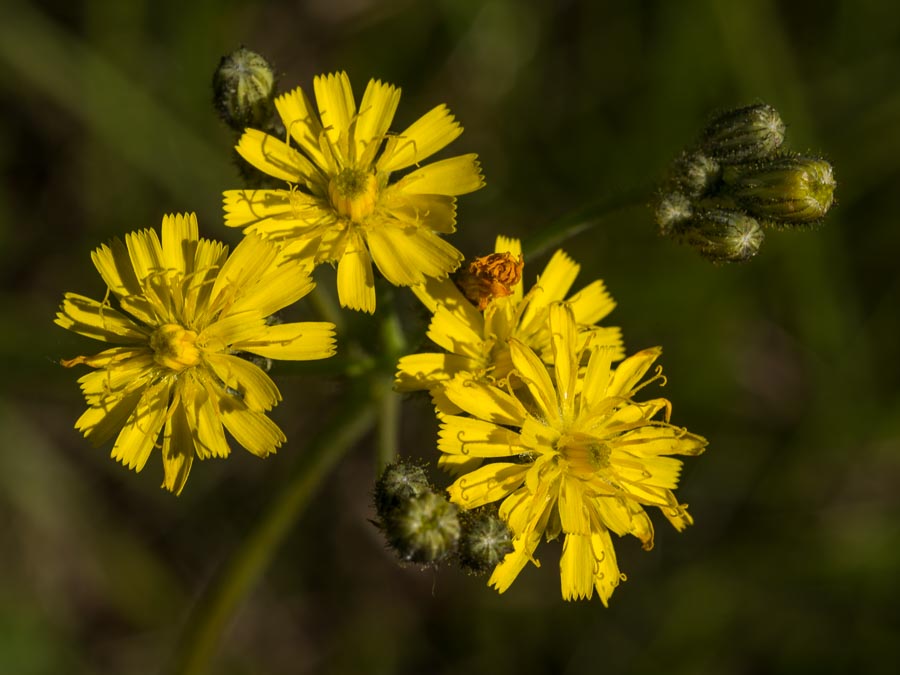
(472, 437)
(245, 381)
(203, 417)
(552, 286)
(630, 371)
(246, 265)
(565, 359)
(537, 436)
(457, 465)
(453, 176)
(487, 484)
(661, 440)
(433, 131)
(208, 260)
(572, 512)
(302, 124)
(650, 471)
(485, 401)
(145, 252)
(591, 303)
(252, 429)
(597, 337)
(278, 287)
(444, 293)
(233, 328)
(508, 245)
(95, 320)
(376, 111)
(534, 374)
(355, 281)
(292, 341)
(607, 576)
(508, 569)
(177, 450)
(276, 158)
(677, 514)
(596, 379)
(129, 371)
(422, 371)
(435, 212)
(576, 567)
(619, 514)
(260, 208)
(140, 432)
(180, 236)
(334, 97)
(100, 423)
(114, 265)
(407, 255)
(449, 331)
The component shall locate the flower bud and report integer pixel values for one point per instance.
(672, 211)
(696, 173)
(424, 529)
(398, 483)
(484, 542)
(745, 134)
(244, 89)
(724, 236)
(790, 190)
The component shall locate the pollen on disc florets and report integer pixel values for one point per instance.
(175, 347)
(353, 193)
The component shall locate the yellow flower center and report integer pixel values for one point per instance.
(584, 454)
(353, 193)
(175, 347)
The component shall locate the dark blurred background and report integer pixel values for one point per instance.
(788, 364)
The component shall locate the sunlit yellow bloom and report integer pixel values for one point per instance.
(341, 203)
(183, 314)
(477, 342)
(570, 452)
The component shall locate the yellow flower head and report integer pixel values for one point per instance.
(184, 310)
(476, 343)
(341, 204)
(570, 452)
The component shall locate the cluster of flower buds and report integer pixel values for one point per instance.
(423, 527)
(737, 180)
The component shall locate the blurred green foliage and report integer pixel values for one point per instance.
(788, 364)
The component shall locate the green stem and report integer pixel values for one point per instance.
(217, 607)
(388, 428)
(584, 219)
(393, 342)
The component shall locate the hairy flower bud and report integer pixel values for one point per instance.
(790, 190)
(696, 173)
(724, 236)
(244, 89)
(673, 209)
(424, 529)
(398, 483)
(745, 134)
(484, 542)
